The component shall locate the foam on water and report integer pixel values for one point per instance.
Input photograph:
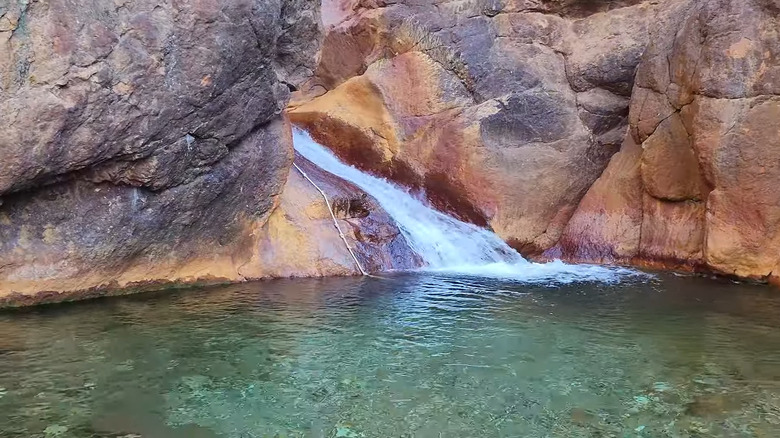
(446, 244)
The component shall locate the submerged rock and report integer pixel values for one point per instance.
(713, 405)
(55, 430)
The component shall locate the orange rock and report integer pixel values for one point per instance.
(349, 118)
(300, 239)
(706, 111)
(648, 110)
(296, 237)
(502, 116)
(672, 233)
(401, 120)
(606, 227)
(743, 212)
(669, 166)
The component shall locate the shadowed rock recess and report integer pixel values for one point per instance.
(144, 143)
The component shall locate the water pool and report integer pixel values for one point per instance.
(408, 355)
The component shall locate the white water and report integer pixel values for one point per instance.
(445, 243)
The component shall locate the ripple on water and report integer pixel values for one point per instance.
(424, 355)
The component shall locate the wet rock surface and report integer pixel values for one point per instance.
(503, 113)
(143, 143)
(300, 238)
(506, 113)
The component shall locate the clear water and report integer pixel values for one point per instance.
(410, 355)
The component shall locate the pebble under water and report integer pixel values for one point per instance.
(409, 355)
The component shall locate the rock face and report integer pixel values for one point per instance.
(503, 113)
(300, 238)
(147, 93)
(141, 140)
(506, 113)
(695, 183)
(142, 144)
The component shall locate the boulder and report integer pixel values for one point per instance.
(301, 240)
(142, 141)
(146, 93)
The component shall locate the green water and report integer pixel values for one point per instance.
(413, 355)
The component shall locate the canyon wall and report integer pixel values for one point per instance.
(502, 113)
(695, 185)
(507, 114)
(143, 144)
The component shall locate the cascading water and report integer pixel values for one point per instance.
(445, 243)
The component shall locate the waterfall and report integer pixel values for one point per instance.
(444, 243)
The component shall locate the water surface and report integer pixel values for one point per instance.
(410, 355)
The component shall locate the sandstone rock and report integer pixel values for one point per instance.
(602, 111)
(345, 53)
(705, 109)
(572, 8)
(501, 114)
(301, 240)
(669, 167)
(78, 235)
(672, 234)
(124, 86)
(142, 141)
(605, 49)
(372, 121)
(606, 227)
(648, 110)
(215, 229)
(143, 146)
(743, 210)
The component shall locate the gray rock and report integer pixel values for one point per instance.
(141, 140)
